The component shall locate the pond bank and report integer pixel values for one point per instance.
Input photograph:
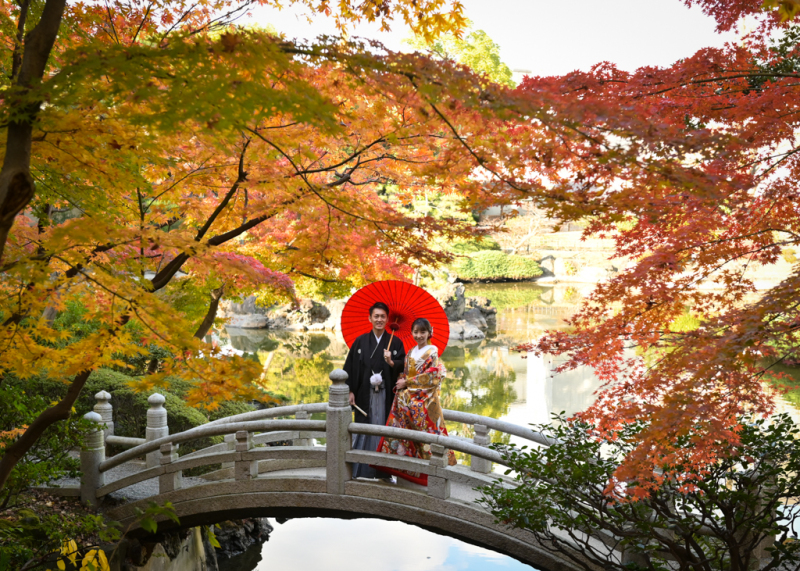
(191, 549)
(471, 318)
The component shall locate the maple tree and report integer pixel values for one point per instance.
(145, 142)
(158, 159)
(693, 170)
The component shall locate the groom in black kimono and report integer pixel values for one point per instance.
(372, 366)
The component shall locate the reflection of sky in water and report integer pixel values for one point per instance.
(376, 545)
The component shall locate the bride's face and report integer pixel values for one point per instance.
(421, 336)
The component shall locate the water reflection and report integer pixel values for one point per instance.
(486, 378)
(366, 544)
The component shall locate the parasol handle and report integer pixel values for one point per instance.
(359, 410)
(394, 327)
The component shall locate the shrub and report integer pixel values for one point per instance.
(495, 265)
(49, 458)
(130, 408)
(729, 510)
(472, 246)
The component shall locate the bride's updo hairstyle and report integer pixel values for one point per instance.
(424, 324)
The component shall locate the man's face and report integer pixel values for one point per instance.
(378, 319)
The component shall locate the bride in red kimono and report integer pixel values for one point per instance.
(416, 405)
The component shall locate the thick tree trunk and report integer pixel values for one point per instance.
(60, 411)
(16, 184)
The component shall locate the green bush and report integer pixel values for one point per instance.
(49, 458)
(230, 408)
(668, 517)
(130, 408)
(496, 265)
(473, 246)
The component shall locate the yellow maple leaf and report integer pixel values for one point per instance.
(95, 560)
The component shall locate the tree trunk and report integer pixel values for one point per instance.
(16, 185)
(60, 411)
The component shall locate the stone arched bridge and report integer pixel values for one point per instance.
(305, 479)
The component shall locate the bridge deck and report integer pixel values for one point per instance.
(149, 488)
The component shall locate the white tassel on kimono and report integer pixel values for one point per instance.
(376, 380)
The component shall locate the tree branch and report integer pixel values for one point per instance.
(16, 58)
(208, 320)
(60, 411)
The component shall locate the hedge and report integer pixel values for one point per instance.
(494, 265)
(130, 408)
(473, 246)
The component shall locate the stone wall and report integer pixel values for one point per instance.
(177, 551)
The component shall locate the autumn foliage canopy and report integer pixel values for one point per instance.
(157, 158)
(693, 171)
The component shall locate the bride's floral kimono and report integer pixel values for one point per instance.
(417, 407)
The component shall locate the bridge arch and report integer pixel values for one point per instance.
(297, 497)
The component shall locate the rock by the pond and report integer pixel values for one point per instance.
(235, 537)
(302, 317)
(451, 298)
(185, 550)
(465, 331)
(475, 317)
(245, 315)
(248, 321)
(248, 306)
(484, 305)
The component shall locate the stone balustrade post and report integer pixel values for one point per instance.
(245, 469)
(339, 417)
(230, 444)
(169, 481)
(156, 426)
(766, 491)
(106, 412)
(481, 438)
(93, 453)
(304, 438)
(438, 487)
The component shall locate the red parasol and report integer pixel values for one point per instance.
(406, 303)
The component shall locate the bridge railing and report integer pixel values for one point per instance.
(247, 434)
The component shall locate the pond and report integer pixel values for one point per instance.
(342, 545)
(486, 378)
